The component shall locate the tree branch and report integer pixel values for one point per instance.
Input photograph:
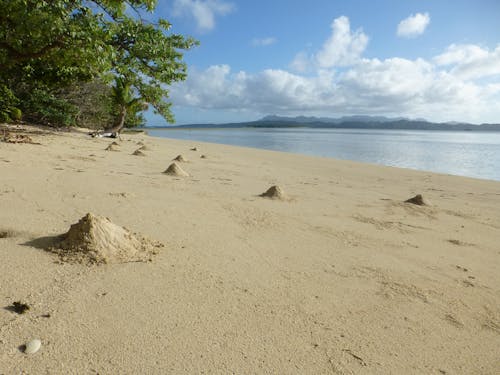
(17, 56)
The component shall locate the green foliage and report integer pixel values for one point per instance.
(15, 114)
(4, 116)
(8, 105)
(93, 101)
(58, 43)
(40, 105)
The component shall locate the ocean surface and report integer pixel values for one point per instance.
(472, 154)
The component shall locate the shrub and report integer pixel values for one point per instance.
(41, 106)
(8, 103)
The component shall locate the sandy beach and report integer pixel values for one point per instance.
(340, 276)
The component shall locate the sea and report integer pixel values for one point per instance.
(463, 153)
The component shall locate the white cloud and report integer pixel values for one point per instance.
(203, 11)
(263, 42)
(469, 61)
(301, 63)
(414, 25)
(343, 47)
(440, 89)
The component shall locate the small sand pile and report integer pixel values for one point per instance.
(138, 152)
(95, 239)
(180, 159)
(175, 170)
(194, 149)
(113, 147)
(275, 192)
(418, 200)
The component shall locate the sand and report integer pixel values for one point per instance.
(174, 170)
(347, 278)
(275, 192)
(95, 240)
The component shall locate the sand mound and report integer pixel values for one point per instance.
(138, 153)
(175, 170)
(418, 200)
(275, 192)
(180, 158)
(113, 146)
(95, 239)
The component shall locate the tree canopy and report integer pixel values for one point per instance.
(51, 45)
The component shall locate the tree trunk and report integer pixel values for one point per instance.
(119, 123)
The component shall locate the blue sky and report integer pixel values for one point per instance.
(439, 59)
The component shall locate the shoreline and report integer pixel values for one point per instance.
(333, 157)
(342, 277)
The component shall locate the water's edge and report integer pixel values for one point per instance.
(470, 154)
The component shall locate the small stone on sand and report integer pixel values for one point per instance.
(203, 156)
(175, 170)
(33, 346)
(194, 149)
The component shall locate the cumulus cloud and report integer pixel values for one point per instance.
(414, 25)
(441, 89)
(343, 47)
(203, 11)
(469, 61)
(302, 62)
(263, 42)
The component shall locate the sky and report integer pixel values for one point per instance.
(432, 59)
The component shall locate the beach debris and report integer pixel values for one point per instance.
(6, 234)
(355, 356)
(33, 346)
(96, 240)
(17, 138)
(140, 143)
(418, 200)
(203, 156)
(138, 153)
(180, 158)
(174, 170)
(113, 146)
(19, 307)
(274, 192)
(143, 148)
(194, 149)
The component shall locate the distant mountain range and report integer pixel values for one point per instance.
(349, 122)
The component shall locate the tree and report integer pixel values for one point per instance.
(59, 42)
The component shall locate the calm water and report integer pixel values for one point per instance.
(473, 154)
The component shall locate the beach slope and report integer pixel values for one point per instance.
(336, 274)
